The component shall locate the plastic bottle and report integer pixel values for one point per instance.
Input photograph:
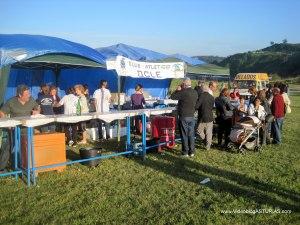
(78, 108)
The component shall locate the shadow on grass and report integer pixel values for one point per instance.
(222, 181)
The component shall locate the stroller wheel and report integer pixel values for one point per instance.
(242, 151)
(257, 149)
(232, 147)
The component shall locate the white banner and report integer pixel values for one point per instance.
(131, 68)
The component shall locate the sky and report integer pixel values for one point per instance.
(191, 27)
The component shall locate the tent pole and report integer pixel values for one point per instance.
(4, 76)
(119, 107)
(57, 73)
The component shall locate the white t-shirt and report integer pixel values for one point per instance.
(102, 97)
(69, 102)
(261, 113)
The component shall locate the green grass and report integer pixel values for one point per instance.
(166, 189)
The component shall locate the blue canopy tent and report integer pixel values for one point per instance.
(35, 59)
(155, 88)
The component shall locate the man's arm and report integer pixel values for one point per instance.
(199, 102)
(176, 95)
(2, 114)
(5, 110)
(36, 108)
(228, 105)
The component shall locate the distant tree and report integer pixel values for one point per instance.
(284, 41)
(272, 43)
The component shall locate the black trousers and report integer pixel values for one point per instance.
(107, 127)
(71, 132)
(224, 130)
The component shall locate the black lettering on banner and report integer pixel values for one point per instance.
(146, 74)
(158, 74)
(140, 73)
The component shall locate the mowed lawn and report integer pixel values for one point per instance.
(166, 189)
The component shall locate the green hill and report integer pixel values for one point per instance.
(210, 58)
(281, 59)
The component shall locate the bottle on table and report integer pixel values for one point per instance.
(78, 108)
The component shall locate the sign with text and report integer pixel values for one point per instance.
(132, 68)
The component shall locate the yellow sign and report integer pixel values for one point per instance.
(252, 76)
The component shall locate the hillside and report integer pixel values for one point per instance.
(281, 59)
(210, 58)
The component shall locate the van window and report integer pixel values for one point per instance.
(245, 84)
(258, 85)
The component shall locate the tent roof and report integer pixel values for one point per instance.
(208, 69)
(131, 52)
(57, 61)
(142, 54)
(188, 60)
(20, 47)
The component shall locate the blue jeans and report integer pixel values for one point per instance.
(276, 129)
(187, 134)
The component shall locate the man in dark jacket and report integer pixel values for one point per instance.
(224, 116)
(187, 98)
(205, 105)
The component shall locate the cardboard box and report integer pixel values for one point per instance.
(48, 149)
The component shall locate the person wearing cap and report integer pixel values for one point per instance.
(20, 105)
(187, 98)
(277, 108)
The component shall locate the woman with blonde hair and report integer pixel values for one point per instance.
(82, 101)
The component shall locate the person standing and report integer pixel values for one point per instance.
(268, 118)
(212, 87)
(277, 108)
(205, 105)
(69, 102)
(253, 93)
(138, 102)
(199, 87)
(187, 98)
(224, 116)
(82, 101)
(56, 98)
(46, 102)
(287, 102)
(20, 105)
(102, 97)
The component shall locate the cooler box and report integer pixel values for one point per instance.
(163, 129)
(48, 149)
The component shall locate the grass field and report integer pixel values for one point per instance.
(166, 189)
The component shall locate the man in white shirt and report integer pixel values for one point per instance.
(102, 99)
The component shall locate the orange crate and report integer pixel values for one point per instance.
(48, 149)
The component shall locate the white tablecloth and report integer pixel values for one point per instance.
(6, 122)
(167, 101)
(35, 121)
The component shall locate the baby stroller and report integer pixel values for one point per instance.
(245, 134)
